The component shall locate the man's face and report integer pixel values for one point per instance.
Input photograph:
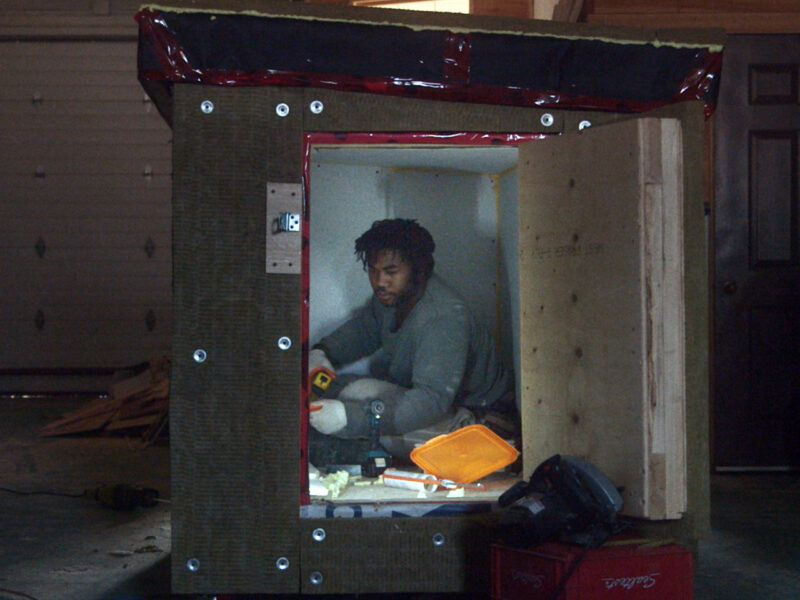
(391, 277)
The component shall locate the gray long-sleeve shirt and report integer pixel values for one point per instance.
(441, 354)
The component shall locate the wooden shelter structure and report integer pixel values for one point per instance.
(603, 266)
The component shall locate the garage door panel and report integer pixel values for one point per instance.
(85, 344)
(86, 283)
(101, 291)
(78, 166)
(71, 264)
(113, 121)
(61, 315)
(36, 202)
(86, 54)
(158, 145)
(44, 108)
(26, 150)
(51, 92)
(53, 65)
(85, 216)
(65, 183)
(107, 232)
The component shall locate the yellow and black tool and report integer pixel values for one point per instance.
(320, 379)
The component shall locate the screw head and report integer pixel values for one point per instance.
(547, 119)
(284, 343)
(193, 565)
(282, 563)
(199, 355)
(438, 539)
(207, 107)
(316, 107)
(584, 124)
(316, 578)
(282, 109)
(318, 534)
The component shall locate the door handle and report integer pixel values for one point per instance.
(729, 288)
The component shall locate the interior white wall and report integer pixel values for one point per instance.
(472, 217)
(344, 202)
(508, 246)
(459, 211)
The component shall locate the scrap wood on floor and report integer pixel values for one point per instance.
(137, 402)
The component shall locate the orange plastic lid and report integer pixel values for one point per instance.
(465, 455)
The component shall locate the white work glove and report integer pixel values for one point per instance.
(330, 418)
(316, 359)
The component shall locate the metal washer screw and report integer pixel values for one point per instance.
(282, 563)
(193, 565)
(284, 343)
(584, 124)
(316, 107)
(282, 109)
(318, 534)
(547, 119)
(316, 578)
(438, 539)
(199, 355)
(207, 106)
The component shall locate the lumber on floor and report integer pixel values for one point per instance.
(137, 400)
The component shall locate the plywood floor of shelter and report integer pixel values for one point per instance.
(368, 490)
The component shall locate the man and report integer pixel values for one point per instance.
(433, 366)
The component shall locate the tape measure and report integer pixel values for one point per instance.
(321, 379)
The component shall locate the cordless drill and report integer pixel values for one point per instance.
(377, 460)
(123, 496)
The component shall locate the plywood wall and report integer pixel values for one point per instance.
(735, 16)
(601, 258)
(503, 8)
(85, 216)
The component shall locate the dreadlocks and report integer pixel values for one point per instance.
(410, 240)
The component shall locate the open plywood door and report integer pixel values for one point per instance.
(602, 320)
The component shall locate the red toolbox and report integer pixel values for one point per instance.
(620, 569)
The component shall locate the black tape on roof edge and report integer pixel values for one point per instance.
(495, 68)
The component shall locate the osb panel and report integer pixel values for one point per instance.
(234, 417)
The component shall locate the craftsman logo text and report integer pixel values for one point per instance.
(528, 579)
(628, 583)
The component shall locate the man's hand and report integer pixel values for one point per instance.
(329, 418)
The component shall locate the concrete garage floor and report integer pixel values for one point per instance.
(64, 548)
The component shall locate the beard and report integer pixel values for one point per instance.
(394, 298)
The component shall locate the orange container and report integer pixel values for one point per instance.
(465, 455)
